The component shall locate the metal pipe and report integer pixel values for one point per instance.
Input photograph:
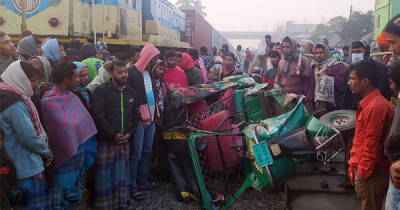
(94, 22)
(108, 18)
(381, 53)
(102, 12)
(23, 15)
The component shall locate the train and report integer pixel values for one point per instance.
(120, 23)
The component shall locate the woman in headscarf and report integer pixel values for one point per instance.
(85, 96)
(288, 69)
(45, 40)
(25, 139)
(27, 48)
(45, 85)
(51, 51)
(193, 74)
(93, 63)
(72, 53)
(103, 76)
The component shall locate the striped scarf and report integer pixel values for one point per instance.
(32, 110)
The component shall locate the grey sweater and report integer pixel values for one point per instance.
(392, 144)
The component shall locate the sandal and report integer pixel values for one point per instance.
(138, 196)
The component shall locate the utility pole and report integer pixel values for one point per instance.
(23, 11)
(351, 11)
(348, 32)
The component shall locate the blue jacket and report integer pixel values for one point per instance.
(21, 141)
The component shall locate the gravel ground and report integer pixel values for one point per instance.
(163, 199)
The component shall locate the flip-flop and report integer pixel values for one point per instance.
(138, 196)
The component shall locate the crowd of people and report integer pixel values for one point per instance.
(82, 118)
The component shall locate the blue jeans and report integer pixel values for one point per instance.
(393, 198)
(139, 155)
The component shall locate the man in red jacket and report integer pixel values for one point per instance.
(369, 166)
(247, 60)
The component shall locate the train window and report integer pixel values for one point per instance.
(127, 2)
(134, 4)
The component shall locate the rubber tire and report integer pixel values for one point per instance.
(346, 127)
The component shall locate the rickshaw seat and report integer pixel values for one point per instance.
(229, 154)
(293, 143)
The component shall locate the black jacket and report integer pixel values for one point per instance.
(136, 81)
(350, 101)
(107, 108)
(194, 76)
(87, 106)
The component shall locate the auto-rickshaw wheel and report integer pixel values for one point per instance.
(341, 119)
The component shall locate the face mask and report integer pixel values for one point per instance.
(218, 66)
(357, 57)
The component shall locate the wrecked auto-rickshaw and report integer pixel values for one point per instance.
(248, 136)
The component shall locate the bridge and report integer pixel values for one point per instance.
(260, 35)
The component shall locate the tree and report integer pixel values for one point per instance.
(321, 31)
(336, 24)
(184, 4)
(360, 25)
(192, 4)
(198, 5)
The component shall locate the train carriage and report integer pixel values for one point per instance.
(120, 23)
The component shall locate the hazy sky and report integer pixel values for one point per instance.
(251, 15)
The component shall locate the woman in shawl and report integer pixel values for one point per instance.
(45, 85)
(70, 128)
(27, 48)
(51, 51)
(85, 96)
(72, 53)
(25, 139)
(88, 58)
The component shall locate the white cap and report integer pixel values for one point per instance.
(218, 59)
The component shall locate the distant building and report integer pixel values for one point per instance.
(300, 28)
(384, 11)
